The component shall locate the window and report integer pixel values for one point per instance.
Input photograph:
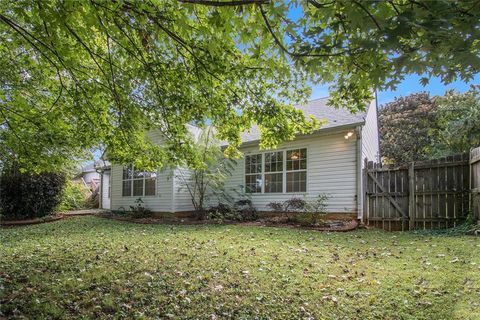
(138, 183)
(276, 172)
(253, 173)
(297, 170)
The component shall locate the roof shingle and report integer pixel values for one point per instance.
(320, 110)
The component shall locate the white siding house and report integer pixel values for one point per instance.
(328, 161)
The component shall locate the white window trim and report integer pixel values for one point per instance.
(132, 179)
(284, 178)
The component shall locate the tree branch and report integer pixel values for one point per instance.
(369, 14)
(214, 3)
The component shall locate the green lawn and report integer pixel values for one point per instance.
(96, 268)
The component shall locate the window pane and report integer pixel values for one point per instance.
(303, 164)
(297, 181)
(253, 183)
(127, 172)
(274, 161)
(273, 182)
(303, 153)
(137, 174)
(127, 188)
(138, 187)
(253, 163)
(150, 186)
(150, 175)
(297, 159)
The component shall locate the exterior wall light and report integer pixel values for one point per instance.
(348, 135)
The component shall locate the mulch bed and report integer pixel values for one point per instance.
(14, 223)
(331, 225)
(52, 218)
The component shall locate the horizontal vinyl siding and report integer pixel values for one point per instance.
(331, 169)
(182, 198)
(370, 146)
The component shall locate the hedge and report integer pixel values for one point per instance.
(29, 196)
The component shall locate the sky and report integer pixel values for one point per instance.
(410, 85)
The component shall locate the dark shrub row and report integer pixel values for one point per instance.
(28, 196)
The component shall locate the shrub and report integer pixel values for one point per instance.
(222, 212)
(319, 205)
(246, 209)
(139, 211)
(314, 212)
(28, 196)
(242, 210)
(276, 206)
(295, 204)
(75, 196)
(292, 205)
(306, 212)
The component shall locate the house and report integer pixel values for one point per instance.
(89, 176)
(327, 161)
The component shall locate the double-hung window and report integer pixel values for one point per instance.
(276, 172)
(253, 173)
(297, 170)
(273, 172)
(138, 183)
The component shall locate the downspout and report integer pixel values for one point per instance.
(358, 179)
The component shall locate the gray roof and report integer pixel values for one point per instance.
(320, 110)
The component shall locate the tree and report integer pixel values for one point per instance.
(79, 74)
(207, 180)
(405, 127)
(458, 123)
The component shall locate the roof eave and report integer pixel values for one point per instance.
(314, 133)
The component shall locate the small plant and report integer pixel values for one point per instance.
(295, 205)
(139, 211)
(246, 209)
(292, 205)
(306, 212)
(222, 212)
(241, 210)
(319, 205)
(276, 206)
(314, 212)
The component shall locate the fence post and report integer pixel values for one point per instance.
(365, 209)
(411, 195)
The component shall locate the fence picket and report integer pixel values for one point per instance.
(424, 194)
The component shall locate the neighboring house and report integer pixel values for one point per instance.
(328, 161)
(89, 176)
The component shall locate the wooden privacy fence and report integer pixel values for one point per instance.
(475, 180)
(420, 195)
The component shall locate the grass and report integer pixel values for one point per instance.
(89, 267)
